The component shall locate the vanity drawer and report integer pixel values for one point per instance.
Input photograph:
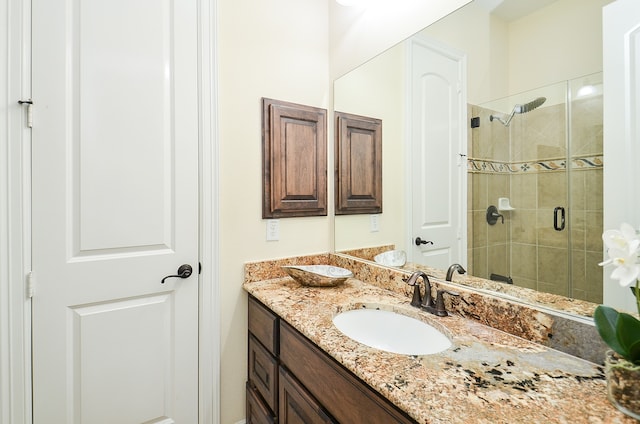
(263, 372)
(257, 412)
(263, 324)
(343, 395)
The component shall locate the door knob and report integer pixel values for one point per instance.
(184, 271)
(419, 241)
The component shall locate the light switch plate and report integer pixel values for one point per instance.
(273, 229)
(374, 223)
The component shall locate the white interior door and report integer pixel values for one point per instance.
(438, 138)
(115, 209)
(621, 73)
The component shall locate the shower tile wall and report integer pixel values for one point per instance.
(531, 172)
(488, 245)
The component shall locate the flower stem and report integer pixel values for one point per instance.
(637, 295)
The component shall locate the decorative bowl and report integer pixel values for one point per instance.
(318, 275)
(391, 258)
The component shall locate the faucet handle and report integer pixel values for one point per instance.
(440, 309)
(416, 300)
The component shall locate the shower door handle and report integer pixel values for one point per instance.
(558, 211)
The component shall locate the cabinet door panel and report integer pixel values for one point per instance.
(296, 405)
(294, 144)
(263, 372)
(358, 164)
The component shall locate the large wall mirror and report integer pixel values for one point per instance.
(532, 133)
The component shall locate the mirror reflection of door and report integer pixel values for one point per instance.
(436, 91)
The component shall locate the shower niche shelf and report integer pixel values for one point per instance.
(504, 204)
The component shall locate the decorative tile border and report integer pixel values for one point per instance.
(496, 167)
(588, 162)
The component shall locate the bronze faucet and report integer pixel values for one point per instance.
(454, 267)
(426, 303)
(417, 299)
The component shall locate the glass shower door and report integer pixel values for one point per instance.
(585, 183)
(547, 160)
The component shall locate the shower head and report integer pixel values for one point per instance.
(527, 107)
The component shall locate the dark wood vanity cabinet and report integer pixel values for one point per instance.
(273, 394)
(293, 381)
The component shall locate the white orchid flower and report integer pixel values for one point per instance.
(627, 269)
(626, 238)
(623, 249)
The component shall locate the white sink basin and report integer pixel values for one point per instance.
(391, 332)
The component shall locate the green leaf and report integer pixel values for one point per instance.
(606, 319)
(628, 334)
(634, 353)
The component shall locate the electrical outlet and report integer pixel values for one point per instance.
(374, 223)
(273, 230)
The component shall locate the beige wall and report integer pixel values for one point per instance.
(276, 49)
(280, 49)
(566, 27)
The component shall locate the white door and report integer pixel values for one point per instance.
(438, 141)
(621, 72)
(115, 198)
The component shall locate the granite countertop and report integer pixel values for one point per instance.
(487, 376)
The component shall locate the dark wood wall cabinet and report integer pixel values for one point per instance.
(291, 380)
(358, 164)
(294, 151)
